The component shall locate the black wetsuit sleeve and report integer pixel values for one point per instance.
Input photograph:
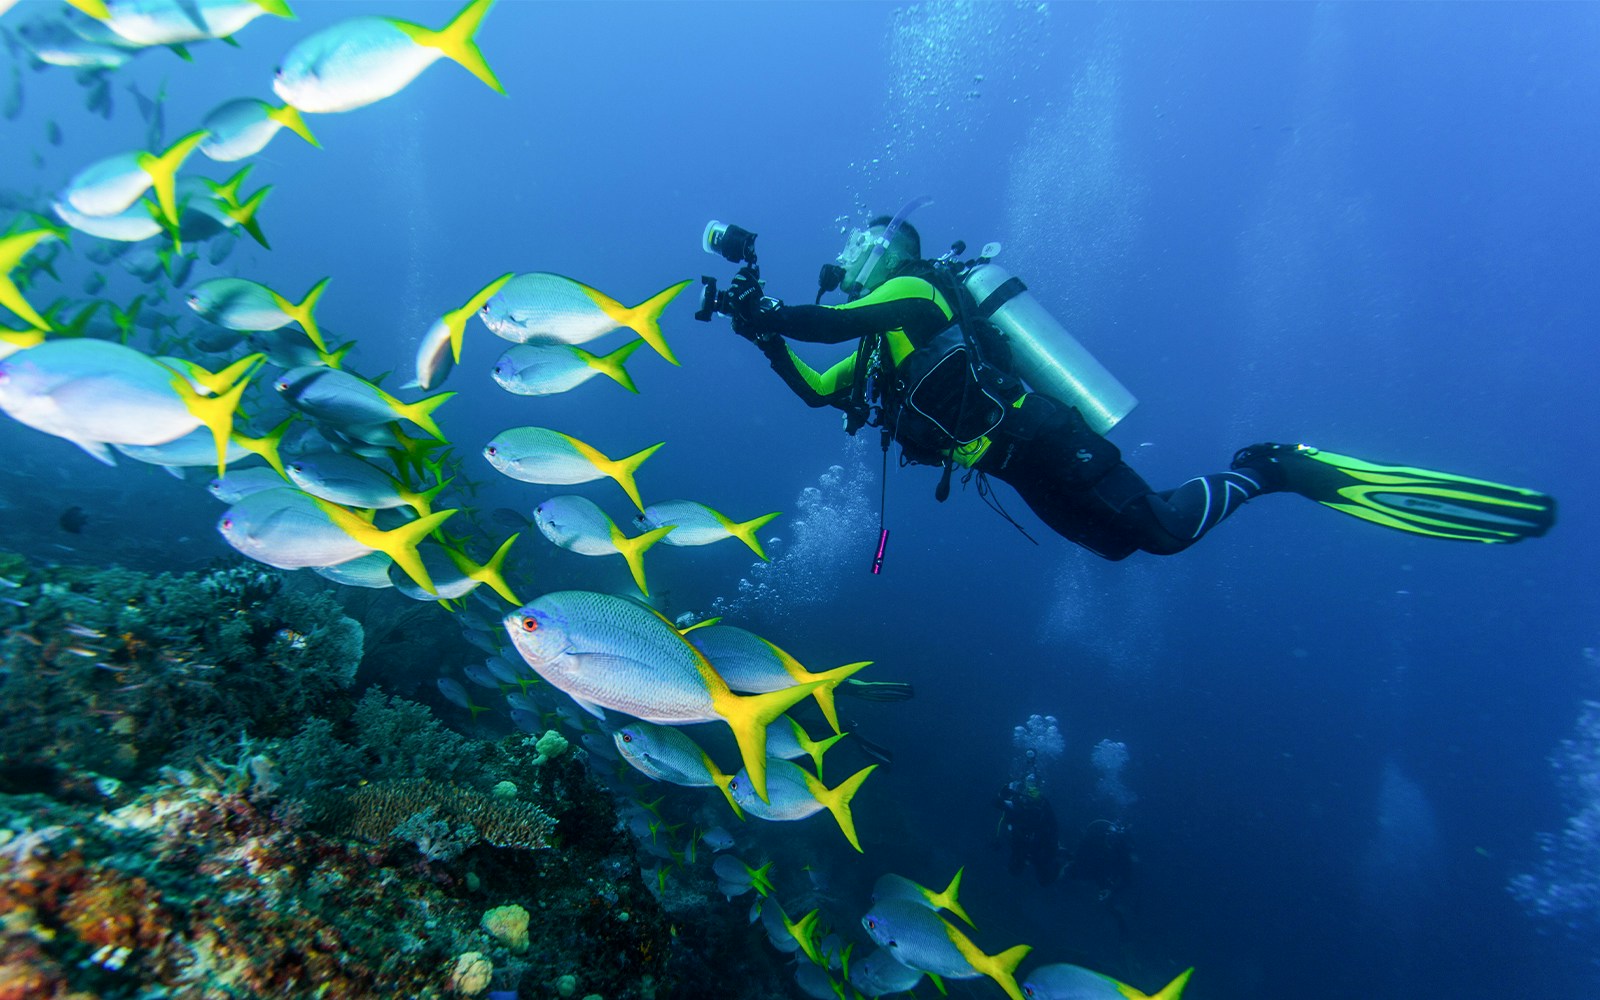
(838, 324)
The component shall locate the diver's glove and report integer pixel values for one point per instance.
(752, 311)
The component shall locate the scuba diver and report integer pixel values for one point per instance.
(1026, 814)
(959, 363)
(1104, 858)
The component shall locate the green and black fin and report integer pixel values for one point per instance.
(1420, 501)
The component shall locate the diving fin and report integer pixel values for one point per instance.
(1421, 501)
(876, 690)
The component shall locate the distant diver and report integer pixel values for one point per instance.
(73, 520)
(962, 366)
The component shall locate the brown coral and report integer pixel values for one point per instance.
(373, 811)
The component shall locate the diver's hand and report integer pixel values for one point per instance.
(744, 295)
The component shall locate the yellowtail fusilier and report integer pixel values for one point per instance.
(921, 939)
(607, 652)
(237, 485)
(893, 886)
(348, 400)
(554, 309)
(541, 455)
(12, 249)
(174, 22)
(96, 393)
(198, 449)
(242, 127)
(1072, 982)
(548, 369)
(670, 755)
(74, 41)
(112, 185)
(293, 530)
(879, 975)
(698, 524)
(792, 794)
(238, 304)
(137, 222)
(577, 524)
(365, 59)
(434, 361)
(750, 663)
(352, 482)
(788, 740)
(211, 208)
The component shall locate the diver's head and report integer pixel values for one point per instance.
(864, 269)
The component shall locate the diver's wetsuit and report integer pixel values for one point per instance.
(1071, 477)
(1032, 825)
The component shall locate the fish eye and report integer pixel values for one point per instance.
(490, 450)
(530, 624)
(626, 738)
(227, 523)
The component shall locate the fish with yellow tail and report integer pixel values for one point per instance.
(549, 369)
(240, 304)
(112, 185)
(242, 127)
(142, 22)
(671, 755)
(364, 59)
(698, 524)
(920, 939)
(1073, 982)
(96, 393)
(792, 795)
(608, 652)
(544, 308)
(541, 455)
(788, 740)
(577, 524)
(349, 401)
(750, 663)
(892, 886)
(288, 529)
(440, 349)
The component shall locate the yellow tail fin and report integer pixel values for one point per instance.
(277, 8)
(1002, 968)
(722, 781)
(267, 445)
(245, 215)
(838, 800)
(456, 319)
(830, 679)
(610, 365)
(645, 319)
(456, 41)
(216, 412)
(749, 716)
(422, 501)
(813, 747)
(623, 469)
(633, 550)
(302, 313)
(491, 572)
(399, 544)
(947, 900)
(12, 249)
(290, 118)
(421, 412)
(163, 171)
(1174, 989)
(745, 531)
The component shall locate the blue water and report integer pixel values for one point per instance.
(1367, 227)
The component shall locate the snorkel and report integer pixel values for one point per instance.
(861, 241)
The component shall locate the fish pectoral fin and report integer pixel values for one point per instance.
(98, 449)
(589, 706)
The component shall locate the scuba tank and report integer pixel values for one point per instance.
(1043, 353)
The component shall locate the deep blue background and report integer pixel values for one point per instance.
(1369, 227)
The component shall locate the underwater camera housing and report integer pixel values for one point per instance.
(734, 244)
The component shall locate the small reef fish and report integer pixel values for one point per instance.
(792, 794)
(135, 223)
(550, 369)
(1072, 982)
(96, 393)
(921, 939)
(289, 529)
(554, 309)
(113, 184)
(75, 41)
(788, 740)
(174, 22)
(242, 128)
(454, 575)
(717, 838)
(343, 399)
(789, 936)
(365, 59)
(238, 304)
(577, 524)
(698, 524)
(237, 485)
(352, 482)
(750, 663)
(663, 753)
(879, 975)
(440, 349)
(731, 871)
(541, 455)
(457, 695)
(607, 652)
(892, 886)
